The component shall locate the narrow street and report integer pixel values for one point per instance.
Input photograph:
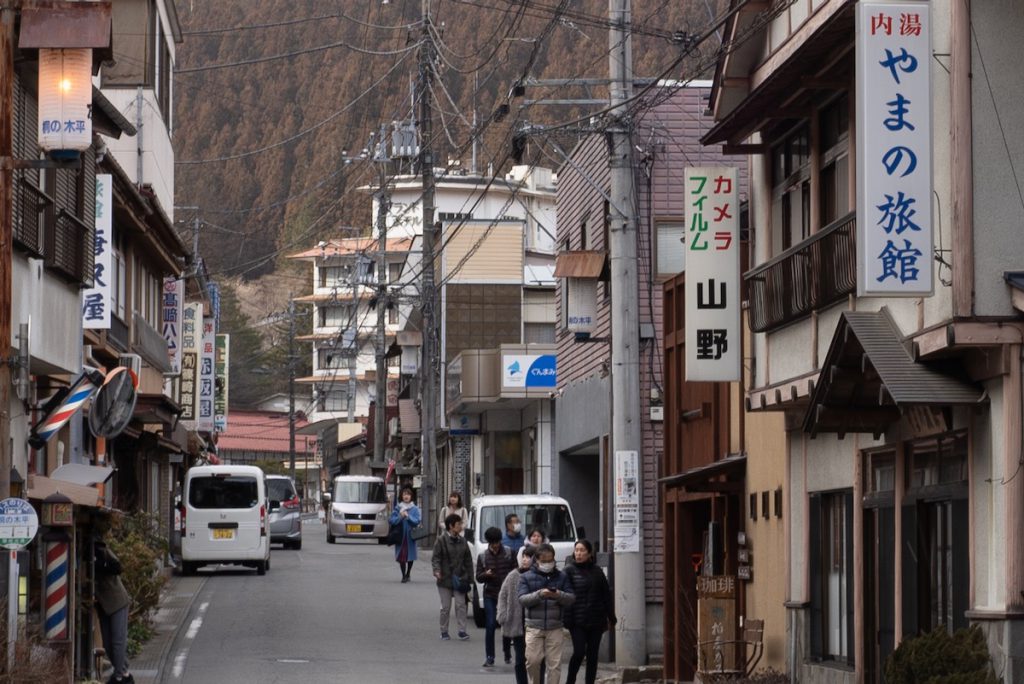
(323, 614)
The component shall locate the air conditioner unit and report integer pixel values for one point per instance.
(132, 362)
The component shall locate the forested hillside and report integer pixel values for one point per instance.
(271, 95)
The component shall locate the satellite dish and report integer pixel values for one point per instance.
(113, 404)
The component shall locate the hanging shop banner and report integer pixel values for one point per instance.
(96, 300)
(627, 501)
(191, 338)
(172, 303)
(712, 289)
(894, 155)
(220, 390)
(207, 377)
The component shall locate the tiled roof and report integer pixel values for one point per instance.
(259, 431)
(343, 246)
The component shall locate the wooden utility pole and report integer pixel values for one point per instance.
(7, 14)
(380, 413)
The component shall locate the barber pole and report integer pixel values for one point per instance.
(78, 395)
(57, 590)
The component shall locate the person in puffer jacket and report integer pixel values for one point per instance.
(591, 614)
(545, 593)
(510, 614)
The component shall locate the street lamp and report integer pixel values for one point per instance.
(65, 98)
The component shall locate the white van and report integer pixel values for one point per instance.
(551, 513)
(224, 518)
(357, 506)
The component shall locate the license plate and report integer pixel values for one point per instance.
(223, 534)
(353, 528)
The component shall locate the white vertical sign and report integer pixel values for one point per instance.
(191, 339)
(627, 501)
(96, 300)
(894, 155)
(207, 376)
(172, 303)
(712, 289)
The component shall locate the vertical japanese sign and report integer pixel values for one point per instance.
(204, 419)
(221, 363)
(191, 338)
(172, 303)
(712, 274)
(96, 300)
(894, 155)
(627, 501)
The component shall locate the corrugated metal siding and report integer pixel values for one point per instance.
(498, 255)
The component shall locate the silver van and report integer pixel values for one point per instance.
(357, 506)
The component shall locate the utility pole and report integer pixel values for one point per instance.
(291, 386)
(428, 386)
(380, 414)
(631, 643)
(6, 236)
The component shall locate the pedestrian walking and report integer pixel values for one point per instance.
(407, 517)
(510, 615)
(452, 562)
(546, 594)
(112, 603)
(492, 567)
(591, 614)
(535, 538)
(513, 537)
(454, 507)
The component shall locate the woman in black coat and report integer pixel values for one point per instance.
(591, 614)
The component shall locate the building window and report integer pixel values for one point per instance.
(334, 276)
(585, 231)
(393, 315)
(332, 401)
(670, 249)
(831, 570)
(334, 316)
(834, 159)
(538, 333)
(394, 272)
(791, 190)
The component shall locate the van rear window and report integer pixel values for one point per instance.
(553, 520)
(223, 491)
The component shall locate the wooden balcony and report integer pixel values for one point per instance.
(811, 275)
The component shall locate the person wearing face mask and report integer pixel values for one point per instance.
(510, 614)
(545, 594)
(591, 614)
(513, 537)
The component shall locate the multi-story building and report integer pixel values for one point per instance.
(903, 500)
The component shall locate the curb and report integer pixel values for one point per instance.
(172, 635)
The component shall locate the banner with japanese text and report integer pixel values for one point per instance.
(96, 300)
(191, 340)
(220, 390)
(894, 155)
(207, 377)
(172, 304)
(712, 289)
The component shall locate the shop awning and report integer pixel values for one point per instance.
(40, 487)
(408, 416)
(869, 377)
(581, 264)
(705, 478)
(80, 473)
(69, 25)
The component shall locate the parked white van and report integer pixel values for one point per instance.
(224, 518)
(551, 513)
(357, 506)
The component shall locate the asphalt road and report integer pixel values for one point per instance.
(327, 613)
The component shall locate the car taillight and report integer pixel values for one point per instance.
(263, 520)
(181, 511)
(292, 503)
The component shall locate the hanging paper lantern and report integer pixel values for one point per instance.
(65, 99)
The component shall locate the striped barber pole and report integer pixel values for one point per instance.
(79, 394)
(57, 590)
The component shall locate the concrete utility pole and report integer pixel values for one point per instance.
(6, 236)
(630, 604)
(291, 386)
(428, 386)
(380, 414)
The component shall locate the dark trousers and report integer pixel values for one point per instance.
(585, 643)
(519, 648)
(114, 630)
(491, 611)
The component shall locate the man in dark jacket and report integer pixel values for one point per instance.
(545, 593)
(452, 562)
(492, 566)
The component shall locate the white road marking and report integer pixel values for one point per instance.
(193, 630)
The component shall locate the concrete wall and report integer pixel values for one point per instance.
(53, 311)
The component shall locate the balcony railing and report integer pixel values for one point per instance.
(811, 275)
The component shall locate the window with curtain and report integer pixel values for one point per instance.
(831, 566)
(669, 246)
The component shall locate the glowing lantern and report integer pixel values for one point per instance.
(65, 99)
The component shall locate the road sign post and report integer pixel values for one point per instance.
(18, 527)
